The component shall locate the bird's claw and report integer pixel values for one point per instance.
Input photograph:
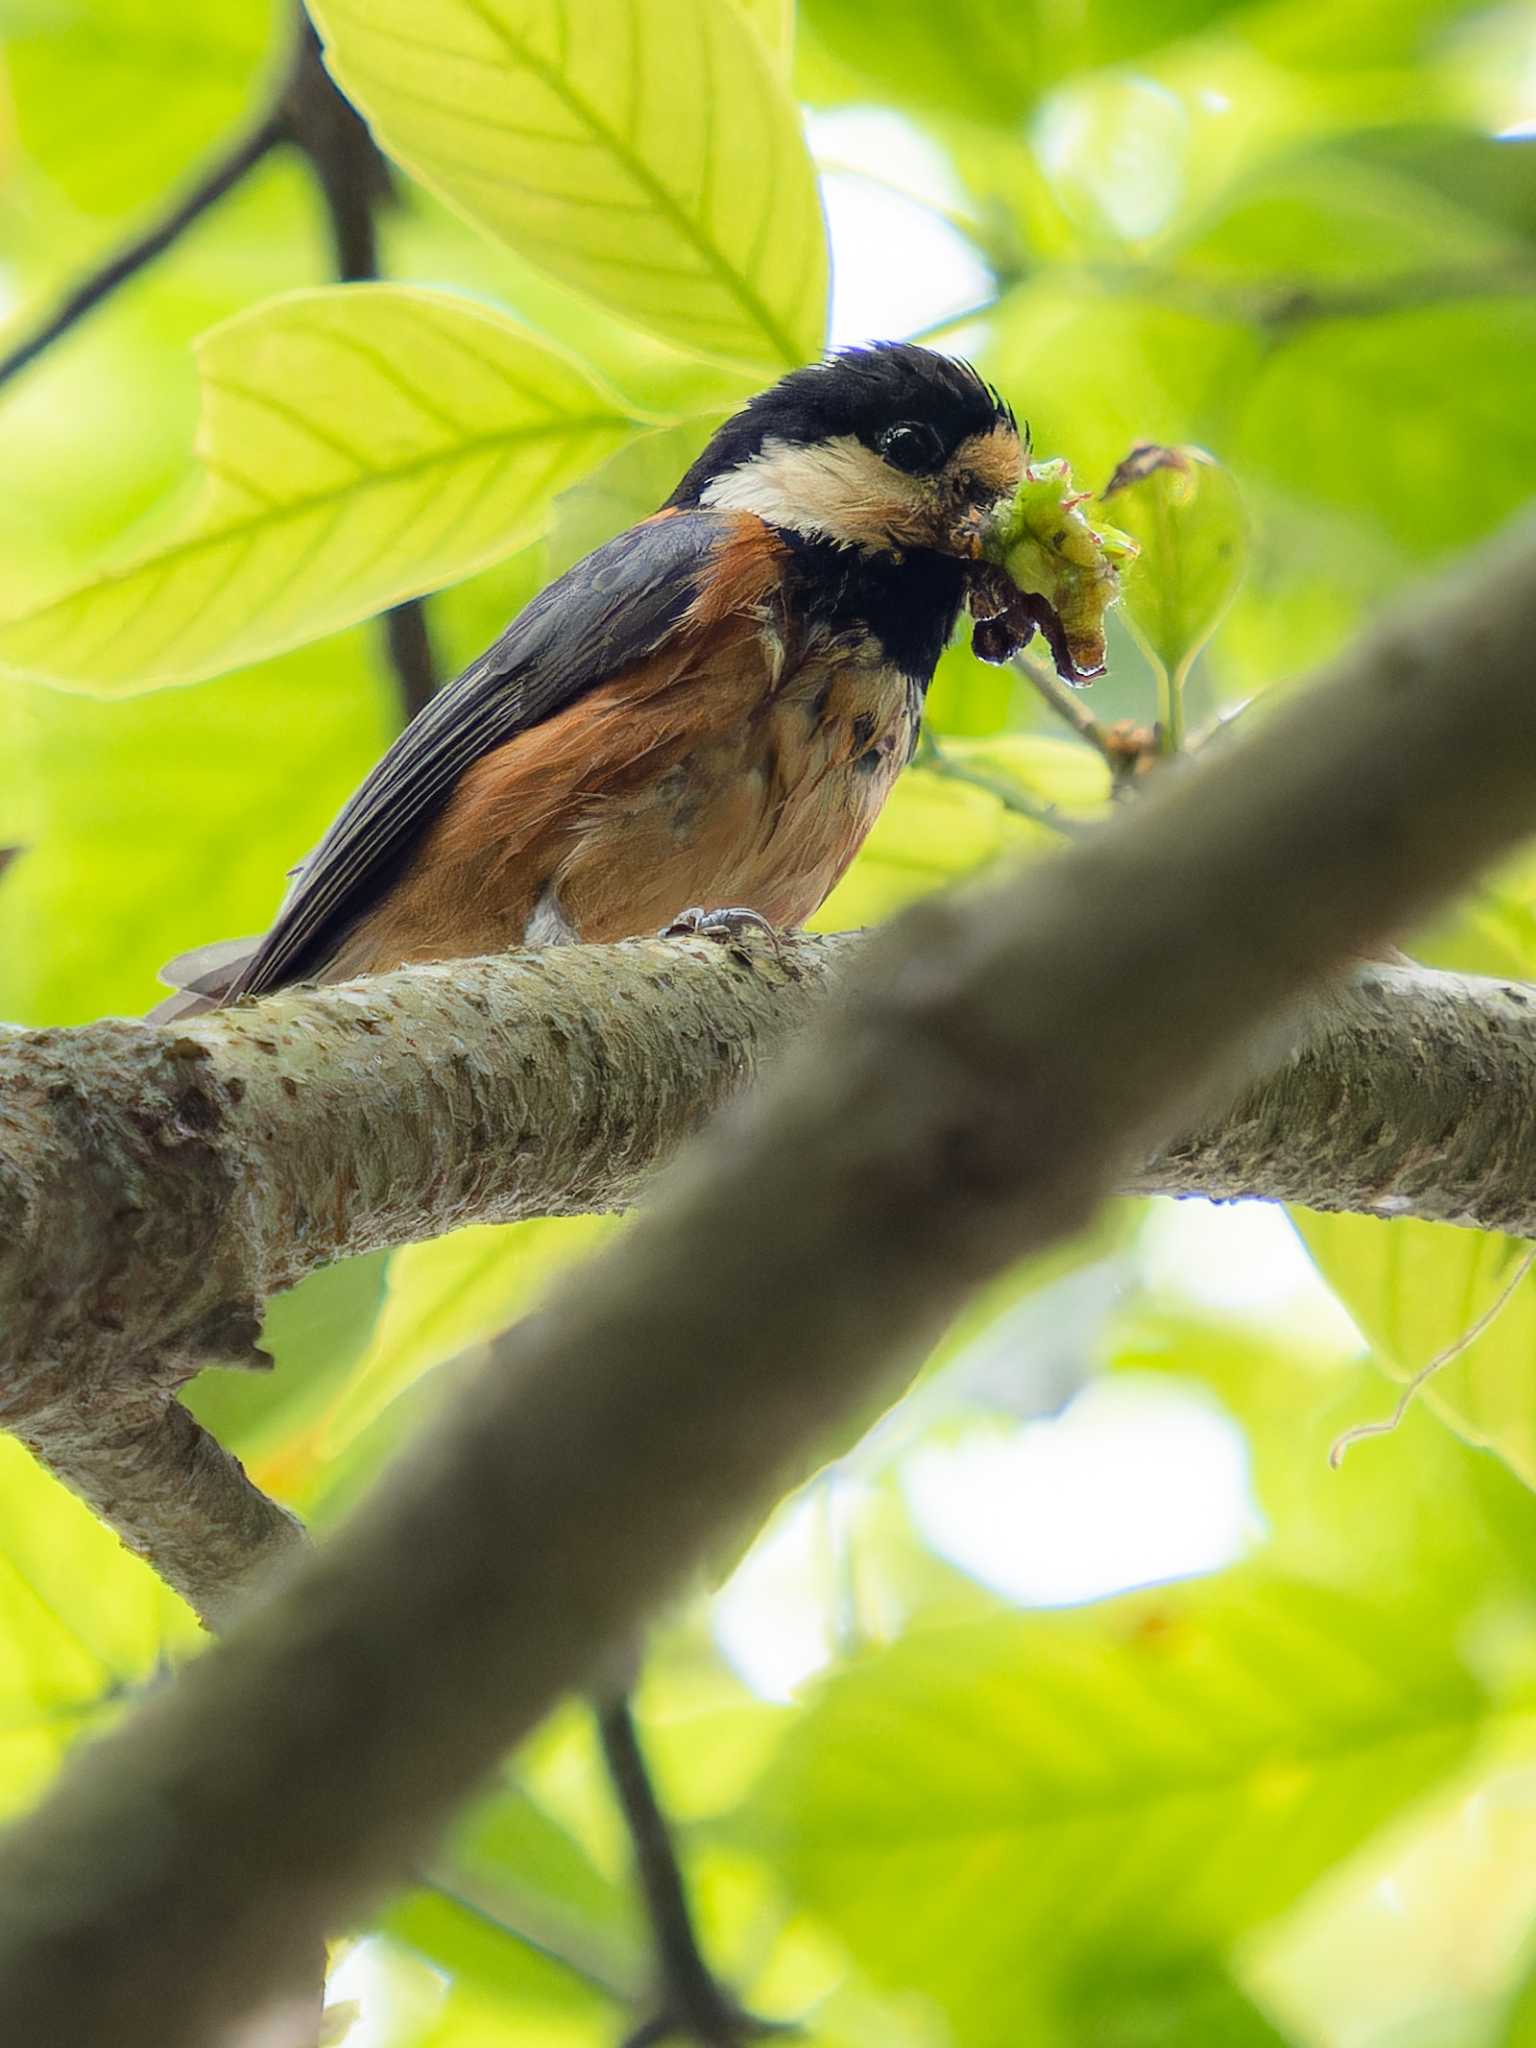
(722, 925)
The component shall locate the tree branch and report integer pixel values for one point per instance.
(227, 169)
(168, 1180)
(175, 1177)
(1008, 1058)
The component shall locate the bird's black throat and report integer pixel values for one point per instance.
(909, 602)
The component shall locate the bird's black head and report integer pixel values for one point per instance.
(887, 447)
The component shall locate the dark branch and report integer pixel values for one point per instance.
(220, 176)
(690, 2004)
(352, 175)
(354, 182)
(408, 642)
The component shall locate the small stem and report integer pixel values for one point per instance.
(1066, 703)
(352, 175)
(1170, 709)
(408, 643)
(354, 181)
(682, 1966)
(931, 755)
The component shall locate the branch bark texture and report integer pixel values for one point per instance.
(157, 1185)
(1007, 1059)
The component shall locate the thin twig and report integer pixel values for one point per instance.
(221, 175)
(308, 113)
(690, 2003)
(1464, 1342)
(1066, 703)
(932, 756)
(1280, 307)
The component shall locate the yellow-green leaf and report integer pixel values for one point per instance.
(643, 150)
(361, 444)
(637, 482)
(1415, 1289)
(774, 21)
(1183, 510)
(1151, 1776)
(933, 830)
(445, 1295)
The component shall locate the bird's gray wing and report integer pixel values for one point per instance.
(612, 608)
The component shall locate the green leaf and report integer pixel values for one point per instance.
(1490, 177)
(629, 487)
(993, 60)
(81, 1622)
(512, 1891)
(1519, 2029)
(1113, 2007)
(1097, 371)
(648, 154)
(1351, 214)
(1417, 1288)
(932, 831)
(1184, 511)
(1414, 425)
(504, 1953)
(315, 1333)
(169, 821)
(446, 1295)
(1150, 1777)
(361, 444)
(774, 21)
(116, 100)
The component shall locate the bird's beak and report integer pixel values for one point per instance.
(967, 534)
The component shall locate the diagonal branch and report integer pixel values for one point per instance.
(1009, 1055)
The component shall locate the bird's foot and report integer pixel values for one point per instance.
(722, 925)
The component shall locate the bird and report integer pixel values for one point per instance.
(698, 722)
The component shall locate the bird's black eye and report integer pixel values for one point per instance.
(911, 446)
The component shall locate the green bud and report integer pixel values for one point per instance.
(1048, 545)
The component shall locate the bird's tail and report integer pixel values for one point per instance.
(202, 978)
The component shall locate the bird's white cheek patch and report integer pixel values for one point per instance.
(836, 490)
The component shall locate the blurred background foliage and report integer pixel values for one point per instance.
(946, 1778)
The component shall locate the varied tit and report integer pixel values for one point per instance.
(710, 710)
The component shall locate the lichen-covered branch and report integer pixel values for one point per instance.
(156, 1185)
(1006, 1059)
(1410, 1093)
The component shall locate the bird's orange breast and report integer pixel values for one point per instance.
(740, 765)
